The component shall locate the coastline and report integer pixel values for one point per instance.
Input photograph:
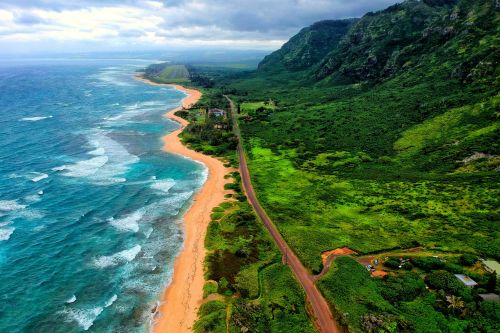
(181, 299)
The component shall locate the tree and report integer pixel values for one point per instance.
(455, 303)
(444, 280)
(468, 259)
(492, 282)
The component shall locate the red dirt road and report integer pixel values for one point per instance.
(323, 317)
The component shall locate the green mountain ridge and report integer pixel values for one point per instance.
(410, 62)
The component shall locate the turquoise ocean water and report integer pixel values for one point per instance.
(90, 207)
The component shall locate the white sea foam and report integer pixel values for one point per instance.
(37, 176)
(5, 233)
(10, 205)
(111, 301)
(3, 224)
(129, 222)
(111, 76)
(148, 232)
(174, 203)
(84, 318)
(33, 198)
(35, 118)
(28, 214)
(163, 185)
(40, 192)
(72, 299)
(97, 152)
(85, 168)
(59, 168)
(109, 161)
(117, 258)
(132, 110)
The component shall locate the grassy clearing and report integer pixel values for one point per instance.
(174, 74)
(166, 73)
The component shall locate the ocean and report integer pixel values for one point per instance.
(90, 206)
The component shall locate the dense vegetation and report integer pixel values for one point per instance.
(379, 133)
(401, 303)
(248, 289)
(208, 133)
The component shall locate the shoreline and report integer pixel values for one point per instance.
(177, 311)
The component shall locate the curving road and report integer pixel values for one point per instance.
(323, 318)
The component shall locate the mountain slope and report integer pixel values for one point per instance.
(308, 47)
(413, 34)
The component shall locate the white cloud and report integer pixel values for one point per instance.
(110, 23)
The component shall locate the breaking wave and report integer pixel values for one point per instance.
(117, 258)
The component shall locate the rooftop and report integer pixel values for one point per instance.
(466, 280)
(492, 265)
(490, 297)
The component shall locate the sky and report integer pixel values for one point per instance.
(38, 26)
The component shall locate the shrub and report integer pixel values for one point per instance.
(408, 266)
(247, 282)
(212, 318)
(403, 287)
(392, 263)
(210, 307)
(468, 259)
(444, 280)
(210, 287)
(427, 263)
(453, 268)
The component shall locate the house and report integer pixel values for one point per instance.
(492, 266)
(216, 112)
(467, 281)
(490, 297)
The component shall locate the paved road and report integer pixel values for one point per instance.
(323, 316)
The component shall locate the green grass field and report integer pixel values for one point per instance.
(171, 74)
(370, 214)
(174, 74)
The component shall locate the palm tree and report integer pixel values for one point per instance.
(455, 303)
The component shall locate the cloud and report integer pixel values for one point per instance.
(109, 24)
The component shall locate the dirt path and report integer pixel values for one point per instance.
(323, 317)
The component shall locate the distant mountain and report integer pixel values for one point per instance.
(456, 35)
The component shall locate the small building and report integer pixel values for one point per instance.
(492, 266)
(467, 281)
(216, 112)
(490, 297)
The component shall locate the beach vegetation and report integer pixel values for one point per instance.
(244, 267)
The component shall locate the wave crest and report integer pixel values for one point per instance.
(117, 258)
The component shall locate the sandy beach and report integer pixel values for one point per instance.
(182, 298)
